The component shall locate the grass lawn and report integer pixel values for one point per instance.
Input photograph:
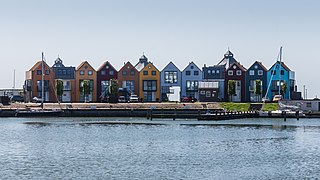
(230, 106)
(270, 107)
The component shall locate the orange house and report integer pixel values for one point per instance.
(33, 83)
(86, 72)
(149, 83)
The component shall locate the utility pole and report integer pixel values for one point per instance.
(304, 91)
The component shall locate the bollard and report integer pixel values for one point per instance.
(297, 115)
(284, 115)
(151, 114)
(175, 114)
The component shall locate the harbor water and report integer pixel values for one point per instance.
(126, 148)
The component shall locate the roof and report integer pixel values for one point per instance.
(228, 59)
(282, 64)
(190, 64)
(239, 65)
(37, 64)
(260, 64)
(169, 64)
(83, 63)
(126, 64)
(143, 61)
(150, 63)
(104, 65)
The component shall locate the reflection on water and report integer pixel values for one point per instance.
(95, 148)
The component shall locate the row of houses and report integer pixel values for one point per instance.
(211, 83)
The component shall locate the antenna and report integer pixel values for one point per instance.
(14, 79)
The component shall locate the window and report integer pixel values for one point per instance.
(39, 72)
(188, 73)
(213, 71)
(90, 72)
(202, 92)
(82, 72)
(208, 94)
(132, 72)
(239, 72)
(59, 72)
(90, 84)
(68, 71)
(192, 85)
(196, 73)
(145, 73)
(47, 72)
(111, 72)
(191, 67)
(154, 73)
(230, 73)
(124, 72)
(217, 71)
(273, 72)
(260, 72)
(64, 72)
(251, 72)
(282, 72)
(309, 104)
(170, 77)
(103, 72)
(104, 87)
(149, 85)
(130, 86)
(209, 71)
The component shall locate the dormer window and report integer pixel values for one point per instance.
(239, 72)
(230, 73)
(260, 72)
(251, 72)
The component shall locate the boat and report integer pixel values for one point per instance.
(283, 110)
(39, 112)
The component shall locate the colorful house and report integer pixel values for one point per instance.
(86, 72)
(170, 77)
(67, 75)
(149, 83)
(279, 72)
(256, 78)
(33, 83)
(227, 60)
(128, 77)
(105, 72)
(235, 73)
(215, 74)
(190, 78)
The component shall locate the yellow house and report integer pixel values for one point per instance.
(149, 83)
(86, 72)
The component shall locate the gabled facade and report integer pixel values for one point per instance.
(149, 83)
(105, 72)
(281, 72)
(33, 83)
(215, 73)
(86, 72)
(190, 78)
(67, 75)
(128, 77)
(236, 72)
(227, 60)
(143, 61)
(170, 77)
(257, 71)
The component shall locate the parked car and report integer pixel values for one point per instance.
(133, 98)
(36, 100)
(277, 98)
(189, 99)
(121, 99)
(16, 98)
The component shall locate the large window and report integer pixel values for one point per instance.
(38, 72)
(130, 86)
(124, 73)
(39, 86)
(104, 86)
(196, 73)
(192, 85)
(154, 73)
(251, 72)
(90, 83)
(149, 85)
(171, 77)
(188, 73)
(145, 73)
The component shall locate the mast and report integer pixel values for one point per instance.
(14, 79)
(280, 71)
(42, 81)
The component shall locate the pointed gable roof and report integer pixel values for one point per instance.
(126, 65)
(171, 63)
(242, 68)
(82, 64)
(260, 64)
(37, 64)
(58, 63)
(191, 63)
(282, 64)
(105, 64)
(143, 61)
(150, 63)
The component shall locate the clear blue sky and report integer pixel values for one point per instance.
(167, 30)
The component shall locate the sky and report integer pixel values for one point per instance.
(180, 31)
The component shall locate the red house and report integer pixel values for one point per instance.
(105, 72)
(237, 73)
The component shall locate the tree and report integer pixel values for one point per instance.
(86, 89)
(231, 88)
(59, 88)
(258, 89)
(113, 91)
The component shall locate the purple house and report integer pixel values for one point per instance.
(105, 72)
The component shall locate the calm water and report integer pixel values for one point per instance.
(68, 149)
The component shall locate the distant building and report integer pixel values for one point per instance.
(67, 75)
(227, 60)
(33, 83)
(281, 72)
(149, 82)
(215, 73)
(128, 77)
(190, 78)
(236, 72)
(170, 77)
(86, 72)
(257, 71)
(105, 72)
(208, 91)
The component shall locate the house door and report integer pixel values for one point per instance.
(237, 97)
(66, 97)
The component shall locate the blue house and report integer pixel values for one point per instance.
(215, 74)
(170, 76)
(190, 78)
(257, 73)
(279, 72)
